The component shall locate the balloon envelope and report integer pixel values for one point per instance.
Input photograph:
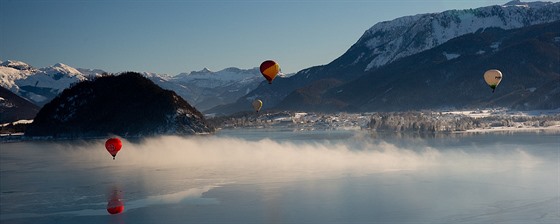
(269, 69)
(113, 145)
(493, 77)
(257, 105)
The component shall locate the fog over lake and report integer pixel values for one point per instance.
(285, 176)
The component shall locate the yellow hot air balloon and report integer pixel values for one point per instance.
(269, 69)
(257, 105)
(493, 78)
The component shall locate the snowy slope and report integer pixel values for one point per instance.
(405, 36)
(56, 77)
(10, 71)
(38, 85)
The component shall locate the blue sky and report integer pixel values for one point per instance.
(174, 36)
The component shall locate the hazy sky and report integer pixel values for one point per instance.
(174, 36)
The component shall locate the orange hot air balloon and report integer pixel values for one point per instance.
(113, 145)
(115, 206)
(269, 69)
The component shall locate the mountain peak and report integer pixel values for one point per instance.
(16, 64)
(65, 67)
(519, 3)
(60, 68)
(205, 71)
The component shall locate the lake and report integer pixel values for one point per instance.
(286, 176)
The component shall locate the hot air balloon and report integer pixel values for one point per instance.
(257, 105)
(493, 78)
(269, 69)
(113, 145)
(115, 206)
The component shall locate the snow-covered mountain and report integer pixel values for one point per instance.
(451, 76)
(206, 89)
(38, 85)
(387, 42)
(10, 71)
(208, 79)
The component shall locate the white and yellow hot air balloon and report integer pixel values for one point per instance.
(257, 105)
(493, 77)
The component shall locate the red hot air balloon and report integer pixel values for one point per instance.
(269, 69)
(115, 206)
(113, 145)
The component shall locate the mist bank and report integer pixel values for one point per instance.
(228, 159)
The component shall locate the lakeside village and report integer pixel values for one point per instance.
(419, 121)
(487, 120)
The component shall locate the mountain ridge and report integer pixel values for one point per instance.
(388, 44)
(528, 58)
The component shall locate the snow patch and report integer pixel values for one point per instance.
(450, 56)
(495, 45)
(17, 122)
(35, 97)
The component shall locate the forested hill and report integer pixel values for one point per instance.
(126, 105)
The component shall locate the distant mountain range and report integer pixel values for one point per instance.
(388, 42)
(203, 89)
(38, 85)
(209, 89)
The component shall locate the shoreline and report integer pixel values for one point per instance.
(20, 137)
(553, 128)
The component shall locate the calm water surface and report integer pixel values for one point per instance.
(286, 176)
